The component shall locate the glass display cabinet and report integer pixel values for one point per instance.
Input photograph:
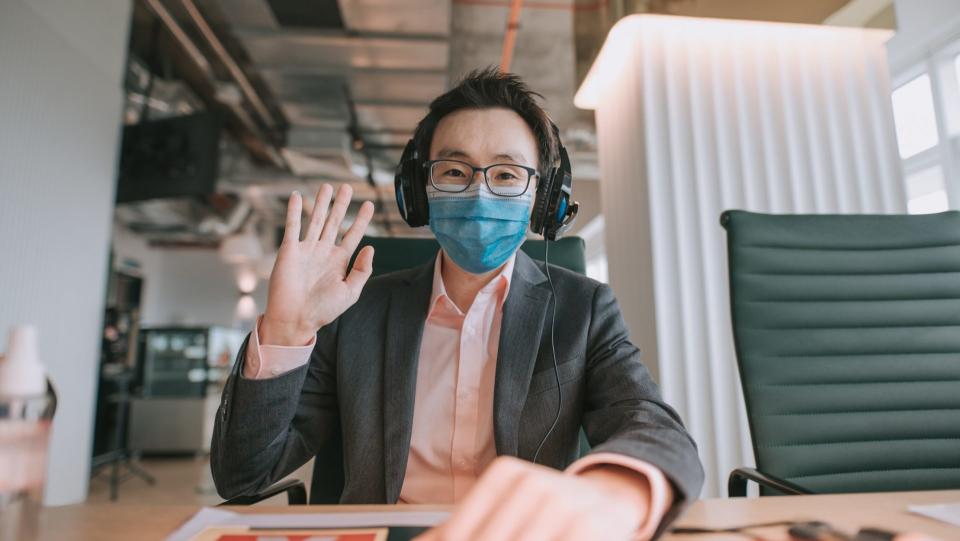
(180, 374)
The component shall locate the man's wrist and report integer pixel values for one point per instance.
(281, 333)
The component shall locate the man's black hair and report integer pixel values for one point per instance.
(489, 87)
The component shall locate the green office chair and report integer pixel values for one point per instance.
(847, 333)
(393, 254)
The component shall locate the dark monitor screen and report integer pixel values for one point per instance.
(170, 157)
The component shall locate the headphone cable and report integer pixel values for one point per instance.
(553, 349)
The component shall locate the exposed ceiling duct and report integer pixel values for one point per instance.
(333, 89)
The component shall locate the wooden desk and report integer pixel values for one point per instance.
(109, 522)
(847, 512)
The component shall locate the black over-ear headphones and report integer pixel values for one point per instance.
(553, 210)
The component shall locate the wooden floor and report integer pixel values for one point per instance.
(180, 481)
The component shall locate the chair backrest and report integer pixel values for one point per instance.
(847, 332)
(393, 254)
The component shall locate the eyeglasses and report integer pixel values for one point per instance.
(503, 179)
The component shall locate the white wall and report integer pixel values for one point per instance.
(193, 287)
(921, 26)
(61, 65)
(917, 17)
(183, 286)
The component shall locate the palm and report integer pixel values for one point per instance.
(310, 285)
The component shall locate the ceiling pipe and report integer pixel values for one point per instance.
(510, 38)
(238, 75)
(178, 34)
(201, 62)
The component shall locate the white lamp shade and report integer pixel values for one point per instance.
(246, 279)
(246, 308)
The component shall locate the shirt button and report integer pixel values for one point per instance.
(275, 371)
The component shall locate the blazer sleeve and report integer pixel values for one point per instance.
(267, 428)
(624, 412)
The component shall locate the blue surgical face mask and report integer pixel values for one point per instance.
(476, 228)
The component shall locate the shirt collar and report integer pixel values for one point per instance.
(500, 282)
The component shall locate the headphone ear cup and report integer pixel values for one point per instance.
(410, 191)
(418, 189)
(538, 219)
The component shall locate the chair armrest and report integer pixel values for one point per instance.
(295, 489)
(737, 483)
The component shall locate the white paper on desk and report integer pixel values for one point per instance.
(946, 512)
(206, 516)
(361, 519)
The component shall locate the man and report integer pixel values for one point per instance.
(437, 376)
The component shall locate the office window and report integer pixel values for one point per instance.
(916, 121)
(956, 68)
(951, 97)
(926, 112)
(597, 269)
(926, 192)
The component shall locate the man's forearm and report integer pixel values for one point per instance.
(249, 440)
(637, 481)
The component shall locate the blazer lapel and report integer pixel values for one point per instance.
(405, 321)
(521, 326)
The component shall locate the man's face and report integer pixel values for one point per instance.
(482, 137)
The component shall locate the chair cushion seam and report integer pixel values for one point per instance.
(909, 410)
(883, 299)
(858, 472)
(847, 249)
(772, 445)
(853, 383)
(853, 327)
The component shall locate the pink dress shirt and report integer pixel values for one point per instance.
(452, 437)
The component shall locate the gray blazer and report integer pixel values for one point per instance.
(362, 375)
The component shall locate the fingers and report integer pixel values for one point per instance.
(542, 521)
(361, 271)
(913, 536)
(291, 232)
(510, 514)
(353, 235)
(497, 480)
(319, 212)
(588, 527)
(340, 204)
(429, 535)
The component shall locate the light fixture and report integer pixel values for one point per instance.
(246, 308)
(625, 42)
(246, 279)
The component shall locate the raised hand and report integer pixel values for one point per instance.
(310, 285)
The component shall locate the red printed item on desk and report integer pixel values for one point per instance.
(233, 533)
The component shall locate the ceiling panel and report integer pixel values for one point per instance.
(305, 50)
(317, 114)
(375, 117)
(404, 16)
(374, 85)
